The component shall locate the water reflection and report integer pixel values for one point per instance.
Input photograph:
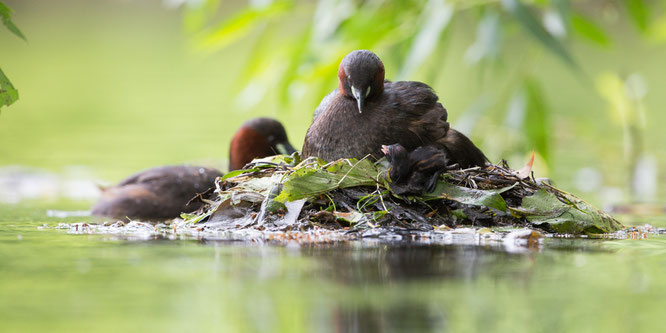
(399, 318)
(403, 262)
(353, 286)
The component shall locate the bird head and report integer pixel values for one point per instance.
(361, 76)
(258, 137)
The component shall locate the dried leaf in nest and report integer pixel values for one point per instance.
(525, 171)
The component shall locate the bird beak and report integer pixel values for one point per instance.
(285, 148)
(360, 98)
(385, 150)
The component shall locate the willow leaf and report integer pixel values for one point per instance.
(6, 16)
(242, 23)
(639, 13)
(589, 30)
(8, 94)
(530, 22)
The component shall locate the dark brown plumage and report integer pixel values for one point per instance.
(156, 194)
(461, 150)
(165, 192)
(366, 112)
(417, 171)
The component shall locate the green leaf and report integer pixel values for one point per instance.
(8, 94)
(307, 181)
(264, 163)
(573, 217)
(638, 11)
(235, 173)
(469, 196)
(537, 122)
(530, 22)
(242, 23)
(588, 29)
(5, 15)
(296, 57)
(434, 20)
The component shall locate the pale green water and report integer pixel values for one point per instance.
(54, 281)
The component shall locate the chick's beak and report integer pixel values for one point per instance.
(385, 149)
(360, 98)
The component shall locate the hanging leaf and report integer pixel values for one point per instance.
(296, 57)
(530, 22)
(436, 17)
(8, 94)
(241, 24)
(639, 12)
(487, 42)
(588, 29)
(5, 15)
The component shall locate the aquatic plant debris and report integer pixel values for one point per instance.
(356, 194)
(510, 239)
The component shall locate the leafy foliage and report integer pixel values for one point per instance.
(8, 94)
(411, 36)
(524, 15)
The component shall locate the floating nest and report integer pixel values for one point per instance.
(284, 193)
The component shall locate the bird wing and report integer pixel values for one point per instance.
(461, 150)
(417, 106)
(147, 176)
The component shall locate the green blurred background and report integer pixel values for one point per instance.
(119, 86)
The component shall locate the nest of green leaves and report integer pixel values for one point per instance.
(285, 193)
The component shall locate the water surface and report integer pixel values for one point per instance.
(52, 280)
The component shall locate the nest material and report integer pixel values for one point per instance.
(360, 197)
